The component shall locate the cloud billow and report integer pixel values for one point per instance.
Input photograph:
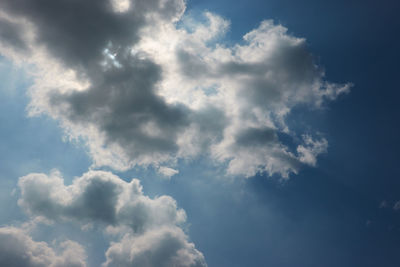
(163, 247)
(17, 249)
(144, 231)
(99, 197)
(141, 91)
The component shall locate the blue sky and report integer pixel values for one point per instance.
(338, 211)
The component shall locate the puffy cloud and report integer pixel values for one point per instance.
(147, 230)
(163, 247)
(17, 249)
(254, 85)
(97, 196)
(141, 91)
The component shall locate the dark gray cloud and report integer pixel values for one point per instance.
(256, 137)
(76, 32)
(17, 249)
(10, 34)
(123, 104)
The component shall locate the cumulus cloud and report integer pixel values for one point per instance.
(148, 230)
(17, 249)
(139, 90)
(97, 196)
(162, 247)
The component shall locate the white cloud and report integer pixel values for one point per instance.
(121, 5)
(146, 231)
(141, 91)
(311, 149)
(163, 247)
(17, 249)
(167, 172)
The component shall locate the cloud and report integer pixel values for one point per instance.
(311, 149)
(139, 90)
(147, 230)
(17, 249)
(97, 196)
(10, 34)
(163, 247)
(167, 172)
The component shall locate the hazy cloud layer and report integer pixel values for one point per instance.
(139, 90)
(147, 231)
(17, 249)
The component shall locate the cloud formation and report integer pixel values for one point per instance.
(97, 196)
(163, 247)
(17, 249)
(147, 231)
(139, 90)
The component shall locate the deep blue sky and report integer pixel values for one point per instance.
(329, 215)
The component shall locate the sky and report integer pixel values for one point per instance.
(199, 133)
